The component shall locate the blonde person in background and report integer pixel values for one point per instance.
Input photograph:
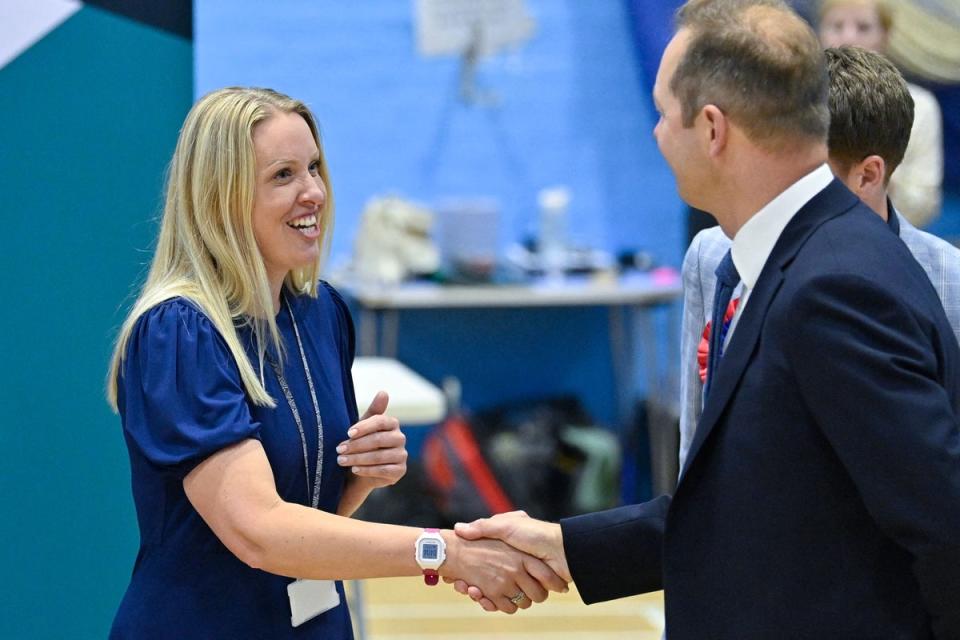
(231, 376)
(916, 186)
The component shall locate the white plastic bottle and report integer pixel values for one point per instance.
(553, 203)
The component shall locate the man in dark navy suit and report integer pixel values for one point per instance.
(821, 494)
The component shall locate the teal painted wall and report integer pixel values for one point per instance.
(90, 116)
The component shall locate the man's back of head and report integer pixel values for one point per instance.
(871, 115)
(871, 110)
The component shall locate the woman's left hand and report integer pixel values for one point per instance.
(376, 450)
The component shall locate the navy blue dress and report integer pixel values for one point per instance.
(181, 400)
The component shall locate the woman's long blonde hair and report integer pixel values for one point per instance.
(206, 250)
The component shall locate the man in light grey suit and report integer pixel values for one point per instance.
(871, 115)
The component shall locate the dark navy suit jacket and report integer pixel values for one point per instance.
(821, 495)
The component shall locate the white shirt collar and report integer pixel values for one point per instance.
(755, 240)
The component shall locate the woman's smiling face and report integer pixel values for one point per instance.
(289, 196)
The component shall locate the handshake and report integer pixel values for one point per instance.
(506, 562)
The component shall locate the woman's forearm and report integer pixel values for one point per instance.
(235, 493)
(351, 500)
(355, 492)
(297, 541)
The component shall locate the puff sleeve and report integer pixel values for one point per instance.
(181, 398)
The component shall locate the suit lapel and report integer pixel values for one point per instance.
(834, 200)
(736, 357)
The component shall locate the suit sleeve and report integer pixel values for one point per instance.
(616, 553)
(694, 320)
(873, 378)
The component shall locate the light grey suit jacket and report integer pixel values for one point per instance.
(939, 259)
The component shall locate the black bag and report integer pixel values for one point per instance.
(544, 457)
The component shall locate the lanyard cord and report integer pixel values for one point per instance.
(314, 495)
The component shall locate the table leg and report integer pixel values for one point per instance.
(357, 610)
(621, 357)
(661, 404)
(369, 322)
(389, 333)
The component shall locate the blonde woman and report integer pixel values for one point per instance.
(232, 379)
(916, 187)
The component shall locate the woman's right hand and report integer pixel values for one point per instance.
(500, 571)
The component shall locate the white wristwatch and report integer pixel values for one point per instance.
(431, 551)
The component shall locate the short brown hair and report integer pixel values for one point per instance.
(871, 110)
(760, 63)
(884, 13)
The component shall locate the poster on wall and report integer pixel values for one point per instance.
(451, 27)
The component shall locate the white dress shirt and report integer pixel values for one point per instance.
(755, 240)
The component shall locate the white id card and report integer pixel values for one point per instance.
(310, 598)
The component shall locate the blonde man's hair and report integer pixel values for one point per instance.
(206, 251)
(884, 13)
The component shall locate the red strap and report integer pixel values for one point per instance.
(431, 577)
(466, 445)
(438, 467)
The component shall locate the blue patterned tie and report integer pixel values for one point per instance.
(727, 281)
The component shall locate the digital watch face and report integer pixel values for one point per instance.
(429, 551)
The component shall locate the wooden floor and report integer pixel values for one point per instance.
(406, 609)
